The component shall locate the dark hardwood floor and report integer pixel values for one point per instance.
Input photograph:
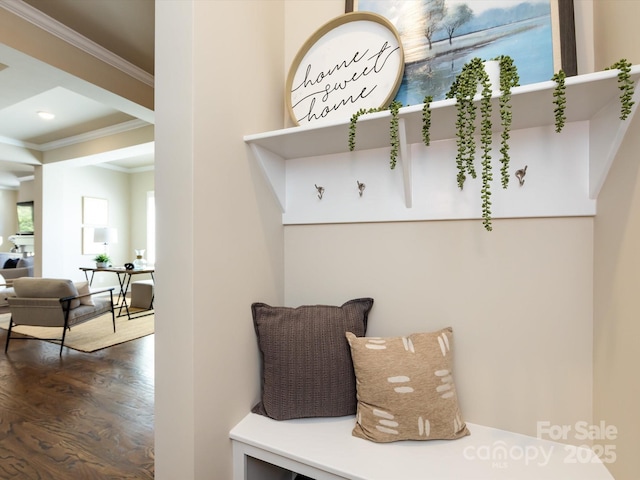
(79, 416)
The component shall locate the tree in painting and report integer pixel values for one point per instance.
(455, 18)
(433, 13)
(440, 36)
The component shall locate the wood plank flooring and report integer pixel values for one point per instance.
(79, 416)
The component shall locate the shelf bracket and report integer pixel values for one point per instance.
(405, 157)
(606, 134)
(273, 168)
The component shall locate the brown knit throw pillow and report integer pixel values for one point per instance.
(306, 362)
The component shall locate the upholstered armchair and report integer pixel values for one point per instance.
(51, 302)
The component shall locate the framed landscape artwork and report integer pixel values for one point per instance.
(440, 36)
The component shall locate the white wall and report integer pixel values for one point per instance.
(8, 217)
(140, 184)
(27, 191)
(519, 298)
(617, 260)
(515, 298)
(219, 76)
(63, 188)
(59, 238)
(517, 292)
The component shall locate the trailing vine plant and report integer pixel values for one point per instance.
(509, 78)
(352, 125)
(485, 141)
(464, 89)
(394, 107)
(625, 84)
(559, 99)
(426, 120)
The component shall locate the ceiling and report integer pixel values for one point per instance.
(124, 28)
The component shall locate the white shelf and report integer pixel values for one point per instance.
(572, 165)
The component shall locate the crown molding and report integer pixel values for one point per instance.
(110, 166)
(52, 26)
(83, 137)
(94, 134)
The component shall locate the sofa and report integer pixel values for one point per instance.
(23, 268)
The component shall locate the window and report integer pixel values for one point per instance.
(25, 218)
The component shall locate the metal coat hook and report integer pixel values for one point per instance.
(361, 187)
(520, 174)
(320, 191)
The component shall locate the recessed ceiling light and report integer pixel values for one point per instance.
(46, 115)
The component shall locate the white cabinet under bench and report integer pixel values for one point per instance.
(324, 449)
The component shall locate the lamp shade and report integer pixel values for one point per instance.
(105, 235)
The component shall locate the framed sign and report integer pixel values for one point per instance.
(353, 62)
(440, 36)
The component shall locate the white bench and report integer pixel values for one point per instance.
(324, 449)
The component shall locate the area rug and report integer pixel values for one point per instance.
(90, 336)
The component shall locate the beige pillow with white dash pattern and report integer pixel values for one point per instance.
(405, 388)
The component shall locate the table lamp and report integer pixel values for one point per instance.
(106, 236)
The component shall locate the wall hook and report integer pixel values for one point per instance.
(361, 187)
(520, 174)
(320, 191)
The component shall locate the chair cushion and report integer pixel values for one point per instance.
(83, 289)
(88, 312)
(30, 287)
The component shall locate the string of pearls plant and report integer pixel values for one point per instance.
(509, 78)
(394, 108)
(464, 89)
(559, 99)
(625, 85)
(352, 125)
(426, 120)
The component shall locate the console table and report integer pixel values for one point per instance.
(124, 280)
